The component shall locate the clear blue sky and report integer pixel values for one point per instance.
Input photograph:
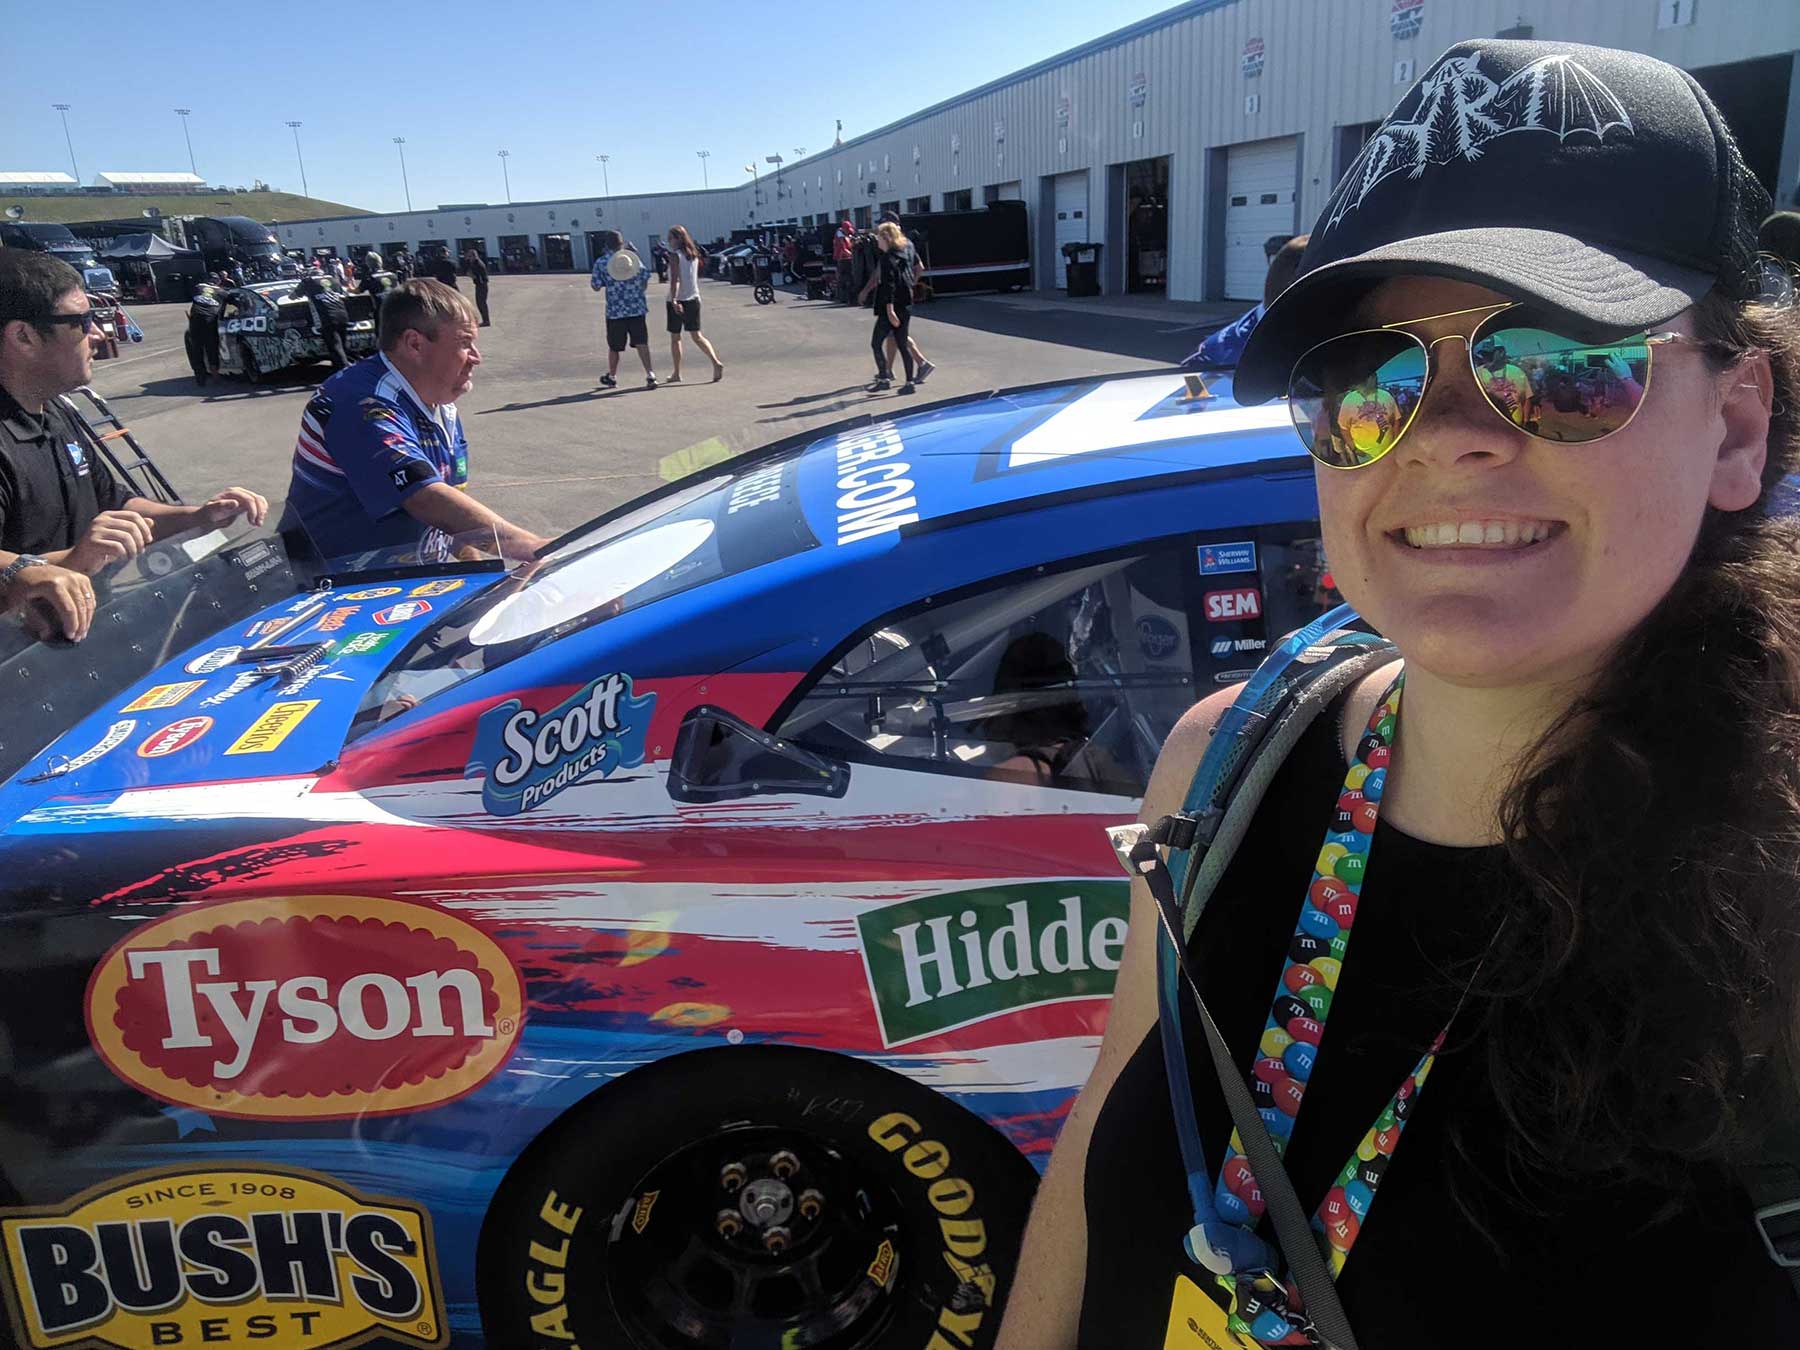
(554, 84)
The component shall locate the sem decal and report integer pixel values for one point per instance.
(530, 757)
(237, 1254)
(305, 1008)
(946, 961)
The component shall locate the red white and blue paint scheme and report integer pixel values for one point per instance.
(637, 944)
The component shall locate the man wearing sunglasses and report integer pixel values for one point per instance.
(58, 502)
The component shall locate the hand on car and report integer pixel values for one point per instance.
(226, 506)
(112, 537)
(52, 598)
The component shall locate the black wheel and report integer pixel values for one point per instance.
(765, 293)
(756, 1196)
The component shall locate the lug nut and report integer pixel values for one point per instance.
(784, 1164)
(777, 1240)
(811, 1203)
(732, 1177)
(728, 1223)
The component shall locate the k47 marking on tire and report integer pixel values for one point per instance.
(756, 1195)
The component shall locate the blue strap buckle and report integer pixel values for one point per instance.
(1779, 1227)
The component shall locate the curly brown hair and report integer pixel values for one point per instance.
(1642, 1004)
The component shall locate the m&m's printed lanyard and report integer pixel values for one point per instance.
(1262, 1305)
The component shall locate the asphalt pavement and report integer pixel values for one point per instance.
(549, 448)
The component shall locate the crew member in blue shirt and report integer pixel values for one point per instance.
(626, 308)
(381, 460)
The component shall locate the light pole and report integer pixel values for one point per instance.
(504, 155)
(63, 108)
(182, 113)
(776, 160)
(755, 189)
(704, 156)
(304, 189)
(604, 178)
(401, 142)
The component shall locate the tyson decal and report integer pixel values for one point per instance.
(306, 1007)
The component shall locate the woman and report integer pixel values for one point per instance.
(684, 301)
(1576, 836)
(893, 305)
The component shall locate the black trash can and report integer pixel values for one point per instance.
(1084, 272)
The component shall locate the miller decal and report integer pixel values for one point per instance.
(238, 1254)
(530, 757)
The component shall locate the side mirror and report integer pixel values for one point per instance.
(719, 757)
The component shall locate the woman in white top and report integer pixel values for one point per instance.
(684, 300)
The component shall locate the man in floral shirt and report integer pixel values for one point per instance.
(626, 307)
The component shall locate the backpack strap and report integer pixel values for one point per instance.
(1772, 1181)
(1301, 678)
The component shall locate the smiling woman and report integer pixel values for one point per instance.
(1565, 821)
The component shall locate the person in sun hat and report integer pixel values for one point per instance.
(1549, 1081)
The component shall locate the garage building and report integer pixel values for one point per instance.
(1178, 144)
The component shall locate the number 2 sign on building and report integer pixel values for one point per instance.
(1229, 606)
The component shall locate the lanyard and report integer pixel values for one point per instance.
(1261, 1306)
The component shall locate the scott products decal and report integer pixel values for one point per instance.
(233, 1255)
(311, 1007)
(944, 961)
(530, 757)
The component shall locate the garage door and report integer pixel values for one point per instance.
(1259, 202)
(1071, 218)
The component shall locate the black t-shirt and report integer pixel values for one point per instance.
(1597, 1270)
(51, 485)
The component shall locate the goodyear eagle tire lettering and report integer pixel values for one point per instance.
(761, 1165)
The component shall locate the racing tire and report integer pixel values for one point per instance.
(765, 294)
(649, 1215)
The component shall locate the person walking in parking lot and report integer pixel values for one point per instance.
(478, 275)
(626, 305)
(893, 307)
(684, 301)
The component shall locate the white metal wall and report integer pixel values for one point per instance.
(1173, 86)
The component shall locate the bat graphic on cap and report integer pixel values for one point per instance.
(1459, 110)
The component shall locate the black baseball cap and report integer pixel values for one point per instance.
(1601, 185)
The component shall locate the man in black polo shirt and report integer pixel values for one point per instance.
(58, 502)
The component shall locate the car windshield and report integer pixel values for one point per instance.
(717, 526)
(180, 590)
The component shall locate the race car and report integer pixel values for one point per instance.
(268, 326)
(692, 938)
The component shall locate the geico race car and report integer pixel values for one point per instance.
(692, 939)
(268, 326)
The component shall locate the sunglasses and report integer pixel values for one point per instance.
(88, 320)
(1353, 397)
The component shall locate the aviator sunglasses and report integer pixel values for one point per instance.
(1354, 396)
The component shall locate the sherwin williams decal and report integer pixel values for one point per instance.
(178, 735)
(403, 612)
(1238, 556)
(272, 728)
(946, 961)
(307, 1007)
(530, 757)
(233, 1255)
(162, 696)
(362, 644)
